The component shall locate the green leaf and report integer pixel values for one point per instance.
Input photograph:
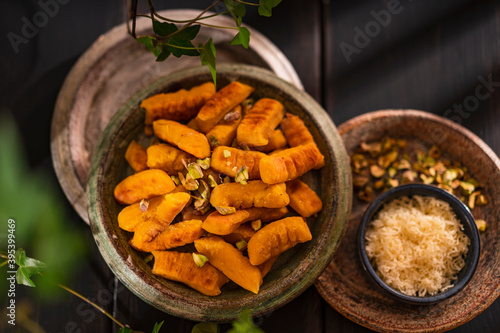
(266, 6)
(164, 54)
(207, 56)
(206, 328)
(185, 47)
(146, 40)
(125, 330)
(163, 28)
(189, 33)
(157, 327)
(236, 7)
(245, 324)
(27, 268)
(241, 38)
(157, 50)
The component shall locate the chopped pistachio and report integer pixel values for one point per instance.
(176, 180)
(148, 258)
(409, 175)
(392, 172)
(435, 152)
(144, 205)
(376, 171)
(241, 245)
(427, 179)
(224, 210)
(211, 181)
(392, 182)
(194, 170)
(256, 225)
(374, 147)
(449, 175)
(472, 199)
(429, 161)
(201, 204)
(481, 200)
(366, 194)
(226, 153)
(439, 167)
(199, 259)
(420, 168)
(421, 156)
(473, 181)
(242, 175)
(188, 182)
(386, 160)
(359, 181)
(446, 188)
(455, 184)
(468, 187)
(247, 104)
(212, 140)
(233, 115)
(404, 164)
(379, 184)
(204, 163)
(226, 180)
(481, 225)
(359, 162)
(432, 172)
(204, 190)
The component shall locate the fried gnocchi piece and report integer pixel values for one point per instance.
(276, 141)
(259, 122)
(289, 164)
(277, 237)
(224, 132)
(174, 235)
(302, 198)
(295, 131)
(243, 233)
(183, 137)
(266, 266)
(229, 160)
(297, 134)
(221, 103)
(219, 224)
(143, 185)
(180, 267)
(172, 204)
(168, 158)
(131, 216)
(254, 194)
(136, 156)
(230, 261)
(179, 106)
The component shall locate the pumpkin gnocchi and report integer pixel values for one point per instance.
(210, 195)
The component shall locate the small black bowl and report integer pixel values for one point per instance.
(463, 214)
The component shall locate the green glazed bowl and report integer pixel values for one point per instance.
(293, 272)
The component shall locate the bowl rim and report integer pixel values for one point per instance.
(465, 218)
(336, 222)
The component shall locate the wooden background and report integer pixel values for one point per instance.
(428, 55)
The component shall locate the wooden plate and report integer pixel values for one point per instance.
(115, 68)
(294, 271)
(343, 284)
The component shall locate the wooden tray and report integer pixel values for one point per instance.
(113, 70)
(343, 284)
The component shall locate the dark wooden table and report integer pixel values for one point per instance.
(352, 56)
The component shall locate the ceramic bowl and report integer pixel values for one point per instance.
(464, 216)
(295, 269)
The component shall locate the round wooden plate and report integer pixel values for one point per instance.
(343, 284)
(115, 68)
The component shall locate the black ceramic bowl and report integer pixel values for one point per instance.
(463, 214)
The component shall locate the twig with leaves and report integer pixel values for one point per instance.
(171, 39)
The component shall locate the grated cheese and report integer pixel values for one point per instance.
(417, 245)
